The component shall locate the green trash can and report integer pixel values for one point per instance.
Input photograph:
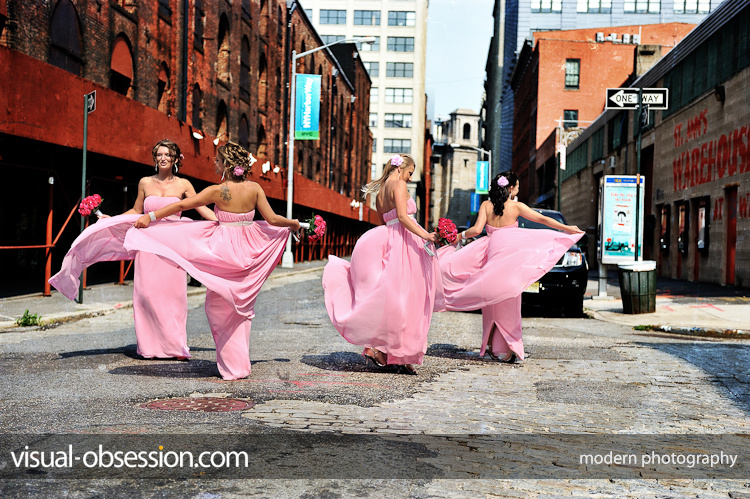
(638, 287)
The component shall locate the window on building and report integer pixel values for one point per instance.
(129, 5)
(400, 69)
(397, 120)
(198, 20)
(545, 6)
(373, 94)
(121, 74)
(246, 10)
(371, 47)
(367, 18)
(396, 18)
(197, 120)
(595, 6)
(328, 16)
(692, 6)
(222, 56)
(572, 74)
(374, 145)
(373, 68)
(243, 134)
(373, 172)
(402, 146)
(399, 95)
(245, 69)
(401, 44)
(65, 38)
(570, 118)
(467, 131)
(373, 119)
(643, 6)
(162, 84)
(330, 39)
(165, 11)
(309, 13)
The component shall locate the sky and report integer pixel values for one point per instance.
(458, 39)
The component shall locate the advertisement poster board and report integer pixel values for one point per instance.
(307, 104)
(618, 212)
(483, 177)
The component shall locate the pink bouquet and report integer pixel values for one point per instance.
(318, 226)
(446, 231)
(90, 204)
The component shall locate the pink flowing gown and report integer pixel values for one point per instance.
(159, 287)
(491, 273)
(232, 258)
(384, 298)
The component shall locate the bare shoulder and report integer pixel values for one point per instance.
(185, 182)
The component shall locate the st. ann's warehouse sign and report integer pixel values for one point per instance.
(307, 114)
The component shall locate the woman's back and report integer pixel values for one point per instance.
(237, 197)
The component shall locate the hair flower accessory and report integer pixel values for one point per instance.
(502, 181)
(397, 160)
(238, 171)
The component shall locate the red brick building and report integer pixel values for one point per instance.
(189, 70)
(560, 85)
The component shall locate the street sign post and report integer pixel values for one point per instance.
(627, 98)
(89, 106)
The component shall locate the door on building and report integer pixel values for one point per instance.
(683, 236)
(731, 223)
(649, 219)
(665, 230)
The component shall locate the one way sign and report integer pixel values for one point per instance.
(627, 98)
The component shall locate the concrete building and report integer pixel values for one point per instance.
(695, 155)
(516, 21)
(560, 83)
(199, 73)
(454, 167)
(396, 64)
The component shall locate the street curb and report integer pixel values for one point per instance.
(731, 334)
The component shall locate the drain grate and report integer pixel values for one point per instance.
(199, 404)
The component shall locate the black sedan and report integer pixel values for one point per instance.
(562, 287)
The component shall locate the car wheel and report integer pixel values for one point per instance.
(574, 308)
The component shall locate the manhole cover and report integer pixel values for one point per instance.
(199, 404)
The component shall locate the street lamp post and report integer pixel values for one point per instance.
(287, 261)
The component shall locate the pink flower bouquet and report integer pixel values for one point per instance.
(318, 226)
(90, 205)
(446, 231)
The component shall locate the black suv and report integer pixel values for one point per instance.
(562, 287)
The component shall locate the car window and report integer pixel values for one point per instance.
(528, 224)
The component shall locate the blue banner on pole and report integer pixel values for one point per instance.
(476, 202)
(483, 177)
(307, 112)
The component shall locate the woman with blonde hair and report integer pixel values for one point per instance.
(232, 258)
(159, 287)
(383, 299)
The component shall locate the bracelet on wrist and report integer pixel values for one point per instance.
(152, 216)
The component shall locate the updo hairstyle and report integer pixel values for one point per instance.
(235, 158)
(499, 194)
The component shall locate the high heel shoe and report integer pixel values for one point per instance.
(406, 369)
(371, 354)
(511, 358)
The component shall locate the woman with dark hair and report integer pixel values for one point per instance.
(159, 287)
(232, 258)
(491, 273)
(383, 299)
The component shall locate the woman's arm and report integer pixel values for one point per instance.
(478, 226)
(401, 195)
(206, 196)
(537, 217)
(264, 208)
(203, 211)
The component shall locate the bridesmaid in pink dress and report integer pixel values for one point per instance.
(232, 258)
(384, 298)
(491, 273)
(159, 287)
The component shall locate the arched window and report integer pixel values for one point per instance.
(65, 38)
(243, 134)
(162, 85)
(262, 87)
(198, 25)
(263, 18)
(261, 152)
(222, 131)
(280, 32)
(245, 69)
(277, 88)
(121, 74)
(467, 131)
(223, 54)
(197, 107)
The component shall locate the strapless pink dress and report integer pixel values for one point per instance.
(159, 287)
(491, 273)
(232, 258)
(384, 298)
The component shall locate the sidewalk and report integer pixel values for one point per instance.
(98, 299)
(681, 307)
